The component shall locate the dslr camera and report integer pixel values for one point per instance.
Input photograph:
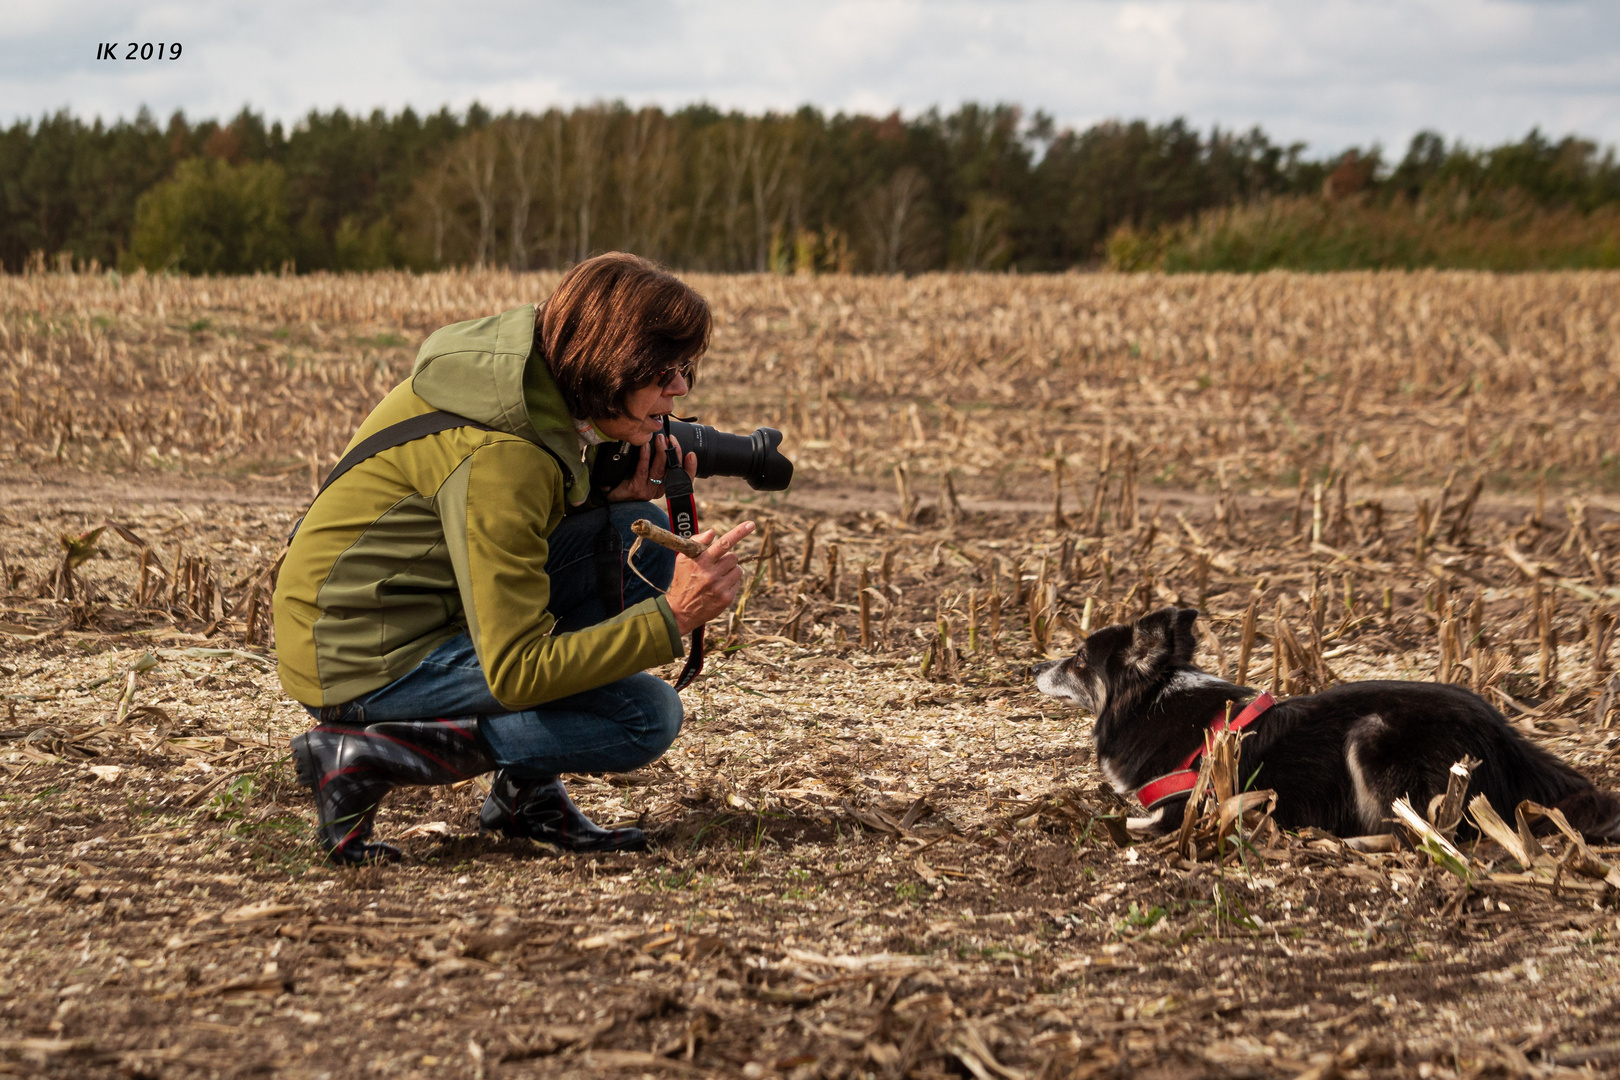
(753, 457)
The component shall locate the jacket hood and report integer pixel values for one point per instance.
(481, 369)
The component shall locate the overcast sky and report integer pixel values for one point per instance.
(1331, 73)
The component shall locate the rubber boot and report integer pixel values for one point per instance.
(540, 809)
(350, 769)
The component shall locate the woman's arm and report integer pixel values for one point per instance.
(497, 512)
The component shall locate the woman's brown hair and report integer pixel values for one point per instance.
(613, 325)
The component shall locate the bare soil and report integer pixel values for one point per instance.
(859, 870)
(886, 859)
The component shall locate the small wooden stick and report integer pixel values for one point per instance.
(664, 538)
(680, 544)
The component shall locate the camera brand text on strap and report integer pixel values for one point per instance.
(681, 499)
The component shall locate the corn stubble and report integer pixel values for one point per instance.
(1396, 377)
(1367, 475)
(1386, 400)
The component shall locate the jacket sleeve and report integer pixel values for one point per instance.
(497, 512)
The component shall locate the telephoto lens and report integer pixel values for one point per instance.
(754, 457)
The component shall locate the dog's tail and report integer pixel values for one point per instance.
(1595, 812)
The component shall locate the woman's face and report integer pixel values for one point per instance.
(645, 410)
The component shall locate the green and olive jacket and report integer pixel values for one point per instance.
(447, 534)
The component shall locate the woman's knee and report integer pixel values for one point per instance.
(658, 715)
(624, 514)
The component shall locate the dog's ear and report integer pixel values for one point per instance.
(1185, 640)
(1152, 640)
(1163, 636)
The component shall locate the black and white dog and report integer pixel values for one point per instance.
(1336, 759)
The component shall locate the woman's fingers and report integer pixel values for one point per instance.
(706, 586)
(724, 545)
(652, 458)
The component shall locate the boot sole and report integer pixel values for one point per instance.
(630, 845)
(638, 843)
(368, 854)
(609, 847)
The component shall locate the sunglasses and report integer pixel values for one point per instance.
(667, 376)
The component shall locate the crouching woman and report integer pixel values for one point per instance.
(455, 602)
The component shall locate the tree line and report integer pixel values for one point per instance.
(980, 188)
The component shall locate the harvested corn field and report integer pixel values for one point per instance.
(877, 850)
(1398, 378)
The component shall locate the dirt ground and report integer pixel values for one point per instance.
(858, 870)
(878, 858)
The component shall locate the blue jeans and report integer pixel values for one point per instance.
(614, 728)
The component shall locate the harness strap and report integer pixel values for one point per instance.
(681, 499)
(416, 427)
(1185, 777)
(409, 430)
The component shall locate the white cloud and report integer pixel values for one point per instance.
(1331, 73)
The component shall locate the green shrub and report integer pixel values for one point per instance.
(1503, 233)
(214, 218)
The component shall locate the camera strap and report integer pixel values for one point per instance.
(681, 499)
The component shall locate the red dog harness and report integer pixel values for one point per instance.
(1186, 777)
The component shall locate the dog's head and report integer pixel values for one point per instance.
(1122, 661)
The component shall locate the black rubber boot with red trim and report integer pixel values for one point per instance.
(539, 808)
(351, 768)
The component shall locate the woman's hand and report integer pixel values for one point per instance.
(705, 586)
(646, 484)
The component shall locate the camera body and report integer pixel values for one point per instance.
(753, 457)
